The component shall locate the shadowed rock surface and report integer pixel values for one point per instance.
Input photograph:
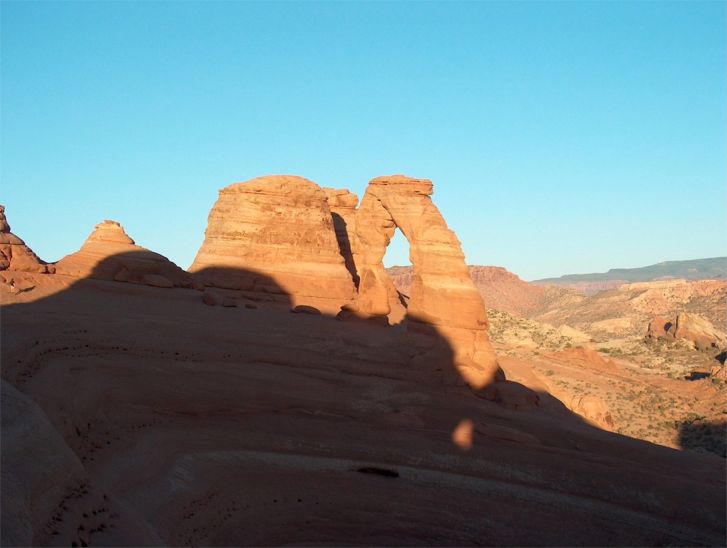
(110, 254)
(141, 415)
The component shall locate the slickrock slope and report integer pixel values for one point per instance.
(442, 293)
(110, 254)
(230, 426)
(162, 420)
(276, 228)
(14, 254)
(45, 488)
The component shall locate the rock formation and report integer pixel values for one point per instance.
(594, 409)
(286, 234)
(275, 234)
(110, 254)
(442, 293)
(342, 204)
(501, 289)
(14, 254)
(690, 327)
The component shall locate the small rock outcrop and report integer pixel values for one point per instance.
(690, 327)
(110, 254)
(14, 254)
(593, 409)
(274, 234)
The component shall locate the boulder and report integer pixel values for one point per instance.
(699, 331)
(690, 327)
(660, 328)
(211, 299)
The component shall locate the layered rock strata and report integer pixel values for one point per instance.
(285, 234)
(14, 254)
(110, 254)
(342, 204)
(442, 293)
(275, 234)
(690, 327)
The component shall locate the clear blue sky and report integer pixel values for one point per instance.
(561, 137)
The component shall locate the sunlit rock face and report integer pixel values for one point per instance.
(14, 254)
(286, 234)
(443, 295)
(110, 254)
(273, 234)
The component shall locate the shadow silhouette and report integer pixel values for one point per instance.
(242, 425)
(696, 376)
(344, 246)
(704, 436)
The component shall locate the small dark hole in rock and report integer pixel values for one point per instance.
(380, 471)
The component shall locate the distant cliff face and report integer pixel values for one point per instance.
(697, 269)
(501, 289)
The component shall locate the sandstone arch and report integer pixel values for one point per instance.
(442, 293)
(322, 250)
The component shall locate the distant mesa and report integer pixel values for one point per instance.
(696, 269)
(14, 254)
(110, 254)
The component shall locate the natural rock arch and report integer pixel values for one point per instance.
(442, 292)
(320, 249)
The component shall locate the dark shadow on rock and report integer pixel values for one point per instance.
(344, 246)
(704, 436)
(178, 406)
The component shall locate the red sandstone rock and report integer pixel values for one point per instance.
(593, 409)
(14, 254)
(442, 293)
(659, 328)
(110, 254)
(274, 234)
(699, 331)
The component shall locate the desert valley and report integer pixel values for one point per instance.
(289, 389)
